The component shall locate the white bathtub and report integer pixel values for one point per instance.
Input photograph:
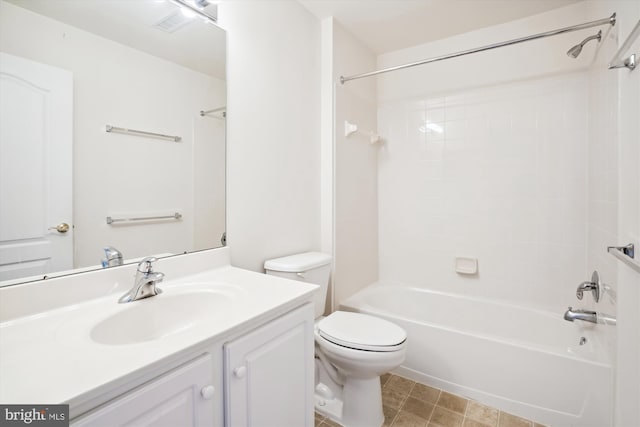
(523, 361)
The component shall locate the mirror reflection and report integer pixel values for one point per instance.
(112, 133)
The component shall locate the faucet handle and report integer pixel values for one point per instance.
(146, 265)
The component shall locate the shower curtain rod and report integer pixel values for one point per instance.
(610, 20)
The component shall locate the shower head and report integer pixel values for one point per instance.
(575, 51)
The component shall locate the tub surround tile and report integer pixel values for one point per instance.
(482, 413)
(452, 402)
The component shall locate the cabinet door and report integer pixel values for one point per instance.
(182, 397)
(269, 374)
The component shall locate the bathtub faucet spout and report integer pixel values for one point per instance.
(586, 315)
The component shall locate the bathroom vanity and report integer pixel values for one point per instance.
(219, 346)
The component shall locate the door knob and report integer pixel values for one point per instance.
(63, 227)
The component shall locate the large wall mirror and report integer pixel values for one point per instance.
(112, 133)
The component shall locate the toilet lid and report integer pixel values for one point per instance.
(361, 331)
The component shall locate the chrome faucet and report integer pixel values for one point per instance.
(145, 282)
(586, 315)
(112, 257)
(593, 286)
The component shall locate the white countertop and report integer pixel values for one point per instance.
(50, 356)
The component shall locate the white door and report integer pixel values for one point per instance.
(36, 125)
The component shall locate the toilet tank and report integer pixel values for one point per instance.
(309, 267)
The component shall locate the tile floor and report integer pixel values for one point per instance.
(407, 403)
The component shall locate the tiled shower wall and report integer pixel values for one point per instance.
(498, 174)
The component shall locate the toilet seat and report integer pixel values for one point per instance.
(361, 332)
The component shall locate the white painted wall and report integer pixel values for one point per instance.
(355, 169)
(615, 201)
(505, 181)
(532, 59)
(117, 85)
(273, 130)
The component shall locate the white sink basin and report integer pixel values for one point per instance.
(161, 316)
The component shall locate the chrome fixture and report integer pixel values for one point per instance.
(626, 254)
(222, 110)
(115, 129)
(629, 250)
(575, 51)
(112, 257)
(610, 21)
(145, 282)
(593, 286)
(112, 220)
(629, 62)
(585, 315)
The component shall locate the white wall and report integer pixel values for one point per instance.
(355, 169)
(273, 130)
(117, 85)
(505, 181)
(615, 201)
(531, 59)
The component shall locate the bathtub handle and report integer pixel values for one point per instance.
(593, 286)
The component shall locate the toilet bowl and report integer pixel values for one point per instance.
(352, 349)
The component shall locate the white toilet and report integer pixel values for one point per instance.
(352, 349)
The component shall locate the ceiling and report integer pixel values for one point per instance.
(388, 25)
(197, 45)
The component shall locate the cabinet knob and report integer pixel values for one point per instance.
(207, 391)
(240, 372)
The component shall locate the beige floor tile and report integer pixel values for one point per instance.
(452, 402)
(508, 420)
(317, 419)
(400, 383)
(442, 417)
(468, 422)
(329, 423)
(389, 415)
(418, 407)
(384, 378)
(405, 419)
(482, 413)
(393, 398)
(425, 393)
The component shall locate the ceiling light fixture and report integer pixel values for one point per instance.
(184, 5)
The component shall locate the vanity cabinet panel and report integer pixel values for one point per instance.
(182, 397)
(269, 374)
